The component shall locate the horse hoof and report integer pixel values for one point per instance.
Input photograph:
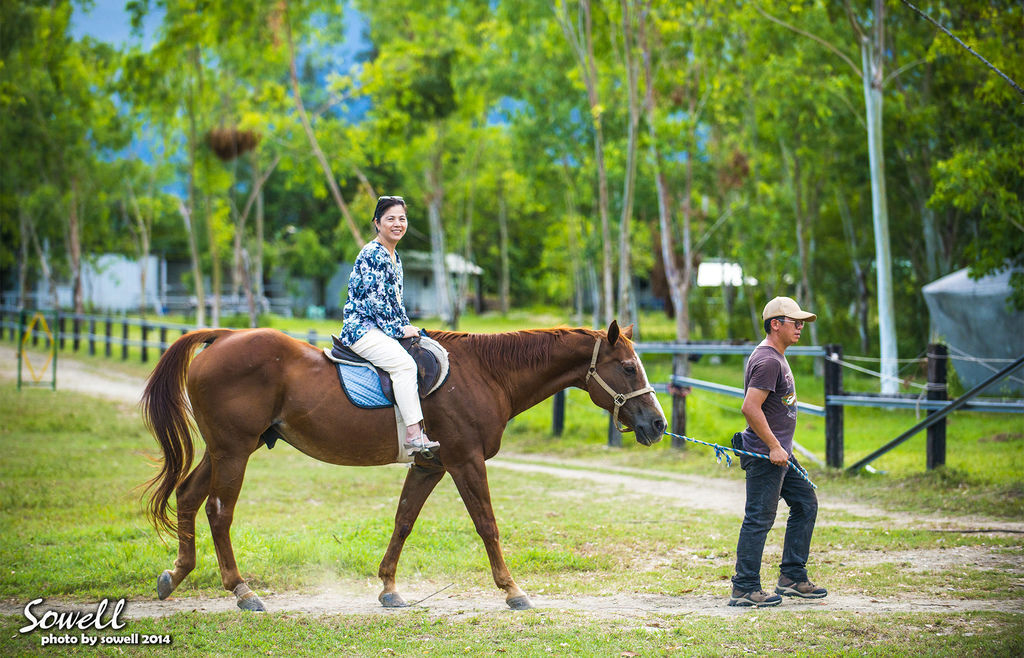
(164, 585)
(251, 602)
(392, 600)
(519, 603)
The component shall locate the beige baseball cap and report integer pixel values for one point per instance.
(786, 306)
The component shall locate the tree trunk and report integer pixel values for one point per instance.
(43, 253)
(504, 286)
(332, 184)
(583, 47)
(462, 285)
(257, 270)
(595, 294)
(24, 229)
(197, 274)
(801, 210)
(435, 197)
(629, 38)
(142, 232)
(575, 256)
(576, 244)
(254, 289)
(75, 249)
(861, 301)
(187, 212)
(608, 308)
(872, 53)
(673, 276)
(216, 273)
(683, 310)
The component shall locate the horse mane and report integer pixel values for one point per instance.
(512, 350)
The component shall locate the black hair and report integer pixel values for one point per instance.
(768, 323)
(385, 202)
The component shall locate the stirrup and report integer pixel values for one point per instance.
(419, 443)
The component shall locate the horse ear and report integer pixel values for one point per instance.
(628, 332)
(613, 332)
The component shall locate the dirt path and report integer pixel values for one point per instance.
(343, 601)
(714, 494)
(78, 376)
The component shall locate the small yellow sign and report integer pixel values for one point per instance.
(40, 319)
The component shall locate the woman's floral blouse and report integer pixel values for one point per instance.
(375, 290)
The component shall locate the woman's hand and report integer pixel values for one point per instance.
(409, 331)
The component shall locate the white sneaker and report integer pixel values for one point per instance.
(419, 443)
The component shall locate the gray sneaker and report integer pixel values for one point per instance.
(805, 589)
(420, 443)
(757, 599)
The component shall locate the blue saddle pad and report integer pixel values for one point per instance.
(362, 386)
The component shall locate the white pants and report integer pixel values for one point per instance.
(385, 352)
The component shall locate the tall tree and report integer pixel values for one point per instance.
(869, 32)
(578, 27)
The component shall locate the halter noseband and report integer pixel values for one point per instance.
(618, 398)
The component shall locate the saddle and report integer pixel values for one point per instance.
(431, 371)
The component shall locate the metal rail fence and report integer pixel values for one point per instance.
(123, 333)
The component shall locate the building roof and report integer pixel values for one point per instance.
(422, 261)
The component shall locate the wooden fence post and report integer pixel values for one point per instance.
(936, 442)
(76, 332)
(833, 412)
(614, 435)
(92, 336)
(124, 339)
(312, 337)
(558, 415)
(145, 342)
(163, 339)
(107, 332)
(678, 405)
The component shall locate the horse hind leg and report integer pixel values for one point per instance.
(227, 474)
(419, 483)
(190, 494)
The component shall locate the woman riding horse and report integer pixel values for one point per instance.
(375, 316)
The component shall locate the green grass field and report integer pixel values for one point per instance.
(71, 527)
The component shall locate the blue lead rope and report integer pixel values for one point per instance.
(722, 451)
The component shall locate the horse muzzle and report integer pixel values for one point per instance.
(650, 427)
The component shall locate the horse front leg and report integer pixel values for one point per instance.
(190, 494)
(419, 482)
(471, 480)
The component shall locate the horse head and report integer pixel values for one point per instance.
(617, 382)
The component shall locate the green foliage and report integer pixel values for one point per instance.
(478, 110)
(306, 256)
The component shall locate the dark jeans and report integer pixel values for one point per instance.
(766, 483)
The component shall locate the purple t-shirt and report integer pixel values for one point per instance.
(769, 371)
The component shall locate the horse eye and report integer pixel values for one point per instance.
(630, 369)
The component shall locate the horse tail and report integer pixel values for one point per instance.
(167, 414)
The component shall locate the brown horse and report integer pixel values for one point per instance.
(248, 382)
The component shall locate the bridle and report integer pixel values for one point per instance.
(618, 398)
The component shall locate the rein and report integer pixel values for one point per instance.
(618, 398)
(722, 451)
